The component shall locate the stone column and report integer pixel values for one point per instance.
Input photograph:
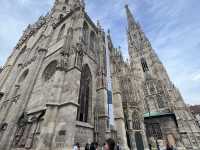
(102, 108)
(12, 118)
(144, 136)
(119, 114)
(103, 118)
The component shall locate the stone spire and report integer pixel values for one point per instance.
(134, 37)
(130, 18)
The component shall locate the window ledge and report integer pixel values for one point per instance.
(84, 124)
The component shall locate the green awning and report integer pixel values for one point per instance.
(151, 114)
(156, 114)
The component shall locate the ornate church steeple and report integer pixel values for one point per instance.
(146, 64)
(143, 58)
(131, 20)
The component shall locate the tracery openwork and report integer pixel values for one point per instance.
(85, 95)
(50, 71)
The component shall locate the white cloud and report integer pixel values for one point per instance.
(172, 27)
(196, 77)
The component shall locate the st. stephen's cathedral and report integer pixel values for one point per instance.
(54, 88)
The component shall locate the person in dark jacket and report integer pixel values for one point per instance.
(109, 145)
(92, 146)
(87, 147)
(169, 147)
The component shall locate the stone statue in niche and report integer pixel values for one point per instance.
(79, 55)
(63, 61)
(101, 78)
(68, 41)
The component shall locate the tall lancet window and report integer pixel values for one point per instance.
(61, 33)
(92, 41)
(144, 65)
(85, 33)
(85, 95)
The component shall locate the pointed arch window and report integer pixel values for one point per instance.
(85, 32)
(144, 65)
(85, 95)
(50, 71)
(61, 33)
(92, 40)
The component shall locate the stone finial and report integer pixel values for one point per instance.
(108, 31)
(98, 24)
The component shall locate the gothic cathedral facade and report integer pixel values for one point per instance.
(54, 88)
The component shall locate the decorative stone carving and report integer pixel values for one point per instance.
(26, 129)
(101, 79)
(79, 55)
(63, 62)
(22, 123)
(27, 63)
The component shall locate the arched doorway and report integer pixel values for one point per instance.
(139, 141)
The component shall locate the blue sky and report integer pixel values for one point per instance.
(172, 26)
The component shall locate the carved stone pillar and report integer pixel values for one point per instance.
(102, 105)
(118, 114)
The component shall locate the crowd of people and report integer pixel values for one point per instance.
(109, 145)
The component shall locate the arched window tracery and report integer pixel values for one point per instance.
(50, 70)
(85, 95)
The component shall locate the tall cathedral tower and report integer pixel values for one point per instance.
(162, 106)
